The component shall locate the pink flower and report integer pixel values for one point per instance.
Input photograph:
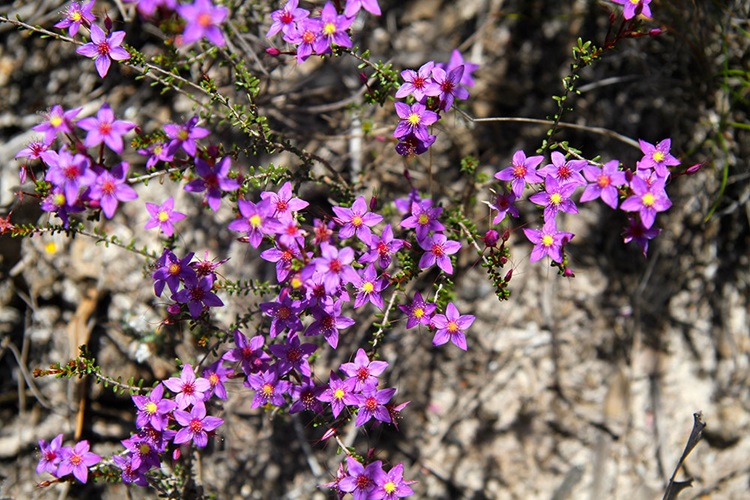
(547, 241)
(77, 460)
(111, 188)
(189, 390)
(203, 19)
(105, 129)
(437, 249)
(451, 326)
(163, 216)
(104, 49)
(195, 425)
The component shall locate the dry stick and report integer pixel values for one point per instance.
(675, 487)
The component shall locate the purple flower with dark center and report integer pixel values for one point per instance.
(147, 8)
(657, 157)
(457, 60)
(361, 480)
(564, 171)
(290, 233)
(185, 135)
(418, 311)
(58, 120)
(110, 188)
(213, 180)
(153, 409)
(328, 321)
(286, 19)
(412, 146)
(450, 86)
(189, 390)
(368, 287)
(284, 258)
(423, 218)
(418, 83)
(382, 248)
(217, 374)
(159, 440)
(32, 151)
(634, 7)
(77, 460)
(647, 200)
(504, 203)
(163, 216)
(195, 425)
(333, 267)
(339, 393)
(269, 390)
(142, 451)
(198, 296)
(414, 120)
(248, 352)
(284, 203)
(75, 15)
(202, 19)
(51, 455)
(105, 129)
(333, 30)
(437, 249)
(547, 241)
(104, 49)
(305, 397)
(293, 356)
(372, 404)
(322, 231)
(521, 172)
(257, 221)
(364, 371)
(353, 6)
(285, 313)
(171, 271)
(603, 183)
(68, 172)
(451, 326)
(640, 234)
(391, 485)
(304, 37)
(131, 475)
(555, 198)
(356, 220)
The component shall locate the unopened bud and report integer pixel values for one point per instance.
(491, 238)
(363, 78)
(694, 169)
(508, 275)
(373, 203)
(506, 235)
(655, 32)
(107, 23)
(273, 51)
(568, 273)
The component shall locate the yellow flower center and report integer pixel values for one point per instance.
(414, 119)
(55, 121)
(255, 221)
(389, 487)
(418, 312)
(151, 408)
(163, 216)
(357, 221)
(548, 240)
(329, 29)
(368, 287)
(452, 327)
(339, 394)
(555, 199)
(648, 199)
(658, 156)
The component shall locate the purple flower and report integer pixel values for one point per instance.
(555, 198)
(189, 390)
(213, 180)
(418, 311)
(368, 287)
(640, 234)
(418, 83)
(185, 135)
(142, 451)
(356, 220)
(604, 183)
(437, 249)
(105, 129)
(77, 460)
(414, 120)
(68, 172)
(195, 425)
(521, 171)
(171, 271)
(361, 480)
(248, 352)
(328, 321)
(564, 171)
(203, 19)
(157, 152)
(372, 405)
(131, 475)
(284, 257)
(75, 15)
(353, 6)
(457, 60)
(153, 409)
(339, 393)
(364, 371)
(449, 84)
(423, 218)
(657, 157)
(391, 485)
(104, 49)
(217, 374)
(504, 204)
(293, 355)
(197, 296)
(257, 221)
(411, 145)
(382, 248)
(32, 151)
(163, 216)
(634, 7)
(333, 267)
(285, 313)
(547, 241)
(58, 120)
(333, 30)
(286, 19)
(451, 326)
(647, 199)
(284, 202)
(147, 8)
(269, 390)
(110, 188)
(305, 36)
(56, 202)
(305, 397)
(51, 455)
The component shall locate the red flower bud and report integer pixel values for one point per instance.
(273, 51)
(107, 23)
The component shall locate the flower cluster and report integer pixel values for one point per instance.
(370, 481)
(61, 461)
(202, 18)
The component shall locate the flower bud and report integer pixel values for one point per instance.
(655, 32)
(373, 203)
(694, 169)
(273, 51)
(107, 23)
(491, 238)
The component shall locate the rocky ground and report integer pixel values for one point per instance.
(574, 388)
